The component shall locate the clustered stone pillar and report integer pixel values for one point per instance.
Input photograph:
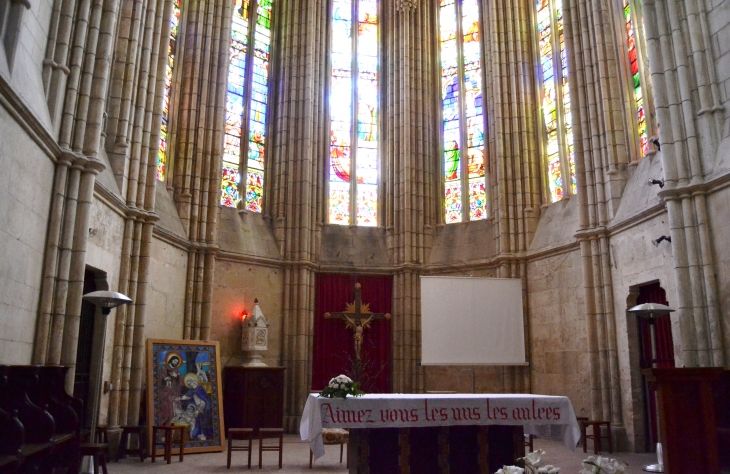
(410, 175)
(690, 116)
(601, 160)
(296, 199)
(195, 166)
(513, 155)
(132, 136)
(79, 126)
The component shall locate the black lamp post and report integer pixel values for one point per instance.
(106, 300)
(653, 311)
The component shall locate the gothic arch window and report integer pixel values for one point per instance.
(641, 103)
(463, 117)
(353, 100)
(162, 152)
(246, 105)
(555, 99)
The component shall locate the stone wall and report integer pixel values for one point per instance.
(24, 74)
(26, 178)
(166, 291)
(237, 284)
(718, 23)
(558, 340)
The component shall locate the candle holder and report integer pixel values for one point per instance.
(254, 335)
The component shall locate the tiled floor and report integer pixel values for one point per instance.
(296, 460)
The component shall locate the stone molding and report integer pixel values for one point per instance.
(27, 120)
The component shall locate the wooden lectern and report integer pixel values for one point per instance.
(687, 418)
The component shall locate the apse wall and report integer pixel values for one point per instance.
(26, 180)
(248, 267)
(556, 326)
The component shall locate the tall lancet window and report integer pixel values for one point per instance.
(354, 113)
(246, 105)
(465, 184)
(555, 99)
(163, 150)
(640, 80)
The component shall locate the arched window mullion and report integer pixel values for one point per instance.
(555, 104)
(560, 80)
(247, 100)
(353, 109)
(633, 52)
(355, 25)
(173, 13)
(464, 151)
(253, 12)
(462, 111)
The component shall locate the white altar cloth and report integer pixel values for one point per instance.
(542, 415)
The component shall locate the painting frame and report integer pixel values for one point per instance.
(184, 386)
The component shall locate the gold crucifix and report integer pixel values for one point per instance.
(357, 317)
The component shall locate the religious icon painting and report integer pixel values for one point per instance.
(184, 389)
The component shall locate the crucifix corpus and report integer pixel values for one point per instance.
(357, 317)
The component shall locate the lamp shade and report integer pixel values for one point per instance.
(651, 310)
(106, 299)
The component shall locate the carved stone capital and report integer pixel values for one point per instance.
(405, 6)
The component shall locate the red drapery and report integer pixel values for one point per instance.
(664, 351)
(334, 349)
(663, 329)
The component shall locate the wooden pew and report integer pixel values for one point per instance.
(39, 421)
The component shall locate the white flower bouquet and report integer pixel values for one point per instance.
(510, 470)
(533, 463)
(340, 387)
(601, 465)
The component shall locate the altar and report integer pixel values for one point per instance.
(413, 433)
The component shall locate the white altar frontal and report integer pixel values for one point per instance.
(545, 416)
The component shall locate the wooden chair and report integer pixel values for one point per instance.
(581, 420)
(333, 436)
(141, 450)
(245, 434)
(98, 452)
(596, 435)
(529, 443)
(169, 432)
(268, 433)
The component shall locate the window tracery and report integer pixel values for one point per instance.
(463, 118)
(556, 107)
(244, 148)
(162, 152)
(353, 104)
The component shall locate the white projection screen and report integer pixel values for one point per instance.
(471, 321)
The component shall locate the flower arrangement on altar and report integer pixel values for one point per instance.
(340, 387)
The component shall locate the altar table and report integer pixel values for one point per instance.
(438, 427)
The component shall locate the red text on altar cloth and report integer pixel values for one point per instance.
(486, 412)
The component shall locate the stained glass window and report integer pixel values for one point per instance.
(555, 99)
(639, 81)
(354, 113)
(465, 190)
(163, 149)
(244, 149)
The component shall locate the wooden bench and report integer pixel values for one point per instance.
(39, 421)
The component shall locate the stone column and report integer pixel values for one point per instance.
(296, 192)
(690, 114)
(410, 157)
(79, 138)
(601, 157)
